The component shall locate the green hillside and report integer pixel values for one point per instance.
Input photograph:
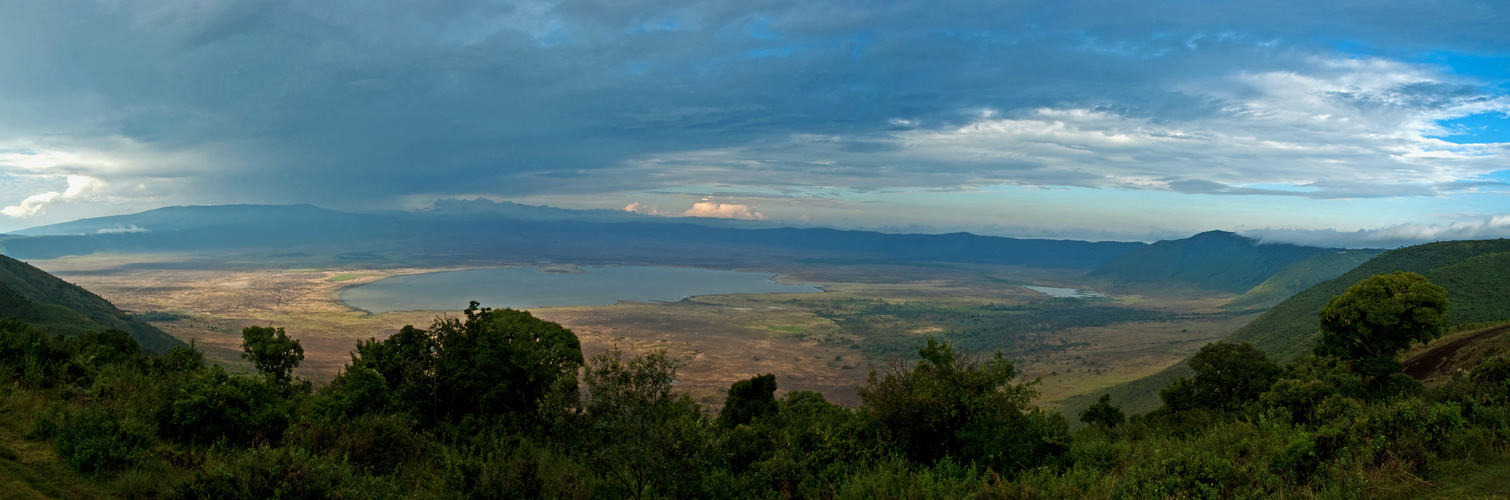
(1215, 260)
(1299, 276)
(1475, 274)
(41, 299)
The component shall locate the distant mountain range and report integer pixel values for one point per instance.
(1214, 260)
(463, 232)
(32, 295)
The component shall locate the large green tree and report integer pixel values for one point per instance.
(749, 399)
(489, 363)
(1103, 413)
(1378, 317)
(967, 408)
(1227, 375)
(271, 351)
(640, 434)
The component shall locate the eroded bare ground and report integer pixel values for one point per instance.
(719, 340)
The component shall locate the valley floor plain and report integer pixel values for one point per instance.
(826, 342)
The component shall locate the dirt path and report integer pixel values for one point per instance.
(1438, 358)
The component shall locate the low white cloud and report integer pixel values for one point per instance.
(723, 211)
(1484, 227)
(641, 208)
(79, 187)
(701, 209)
(119, 229)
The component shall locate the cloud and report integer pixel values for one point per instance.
(640, 208)
(723, 211)
(365, 104)
(1483, 227)
(119, 229)
(1337, 128)
(79, 187)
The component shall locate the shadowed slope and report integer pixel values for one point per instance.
(34, 296)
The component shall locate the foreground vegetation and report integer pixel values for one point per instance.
(499, 404)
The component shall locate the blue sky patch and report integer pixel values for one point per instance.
(1479, 128)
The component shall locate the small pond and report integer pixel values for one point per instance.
(530, 287)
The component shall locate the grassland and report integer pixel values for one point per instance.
(826, 342)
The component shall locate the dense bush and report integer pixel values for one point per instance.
(495, 364)
(216, 407)
(98, 440)
(287, 472)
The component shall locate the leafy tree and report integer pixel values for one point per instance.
(949, 405)
(97, 440)
(495, 362)
(1103, 413)
(356, 391)
(1307, 382)
(500, 361)
(181, 359)
(748, 400)
(406, 363)
(112, 346)
(214, 406)
(1227, 375)
(804, 448)
(1377, 317)
(271, 351)
(646, 439)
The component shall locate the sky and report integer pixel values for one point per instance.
(1339, 122)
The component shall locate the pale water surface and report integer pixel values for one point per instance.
(528, 287)
(1066, 293)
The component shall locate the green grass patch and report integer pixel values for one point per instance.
(787, 329)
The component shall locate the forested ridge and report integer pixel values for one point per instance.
(499, 404)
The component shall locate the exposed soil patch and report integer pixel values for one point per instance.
(1440, 362)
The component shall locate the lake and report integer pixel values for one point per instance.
(1066, 293)
(530, 287)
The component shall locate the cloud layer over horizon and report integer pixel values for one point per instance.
(1317, 119)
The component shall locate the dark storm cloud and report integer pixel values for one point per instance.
(356, 103)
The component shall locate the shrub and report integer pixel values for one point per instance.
(1227, 376)
(280, 473)
(214, 406)
(748, 400)
(1103, 413)
(378, 443)
(357, 390)
(951, 405)
(97, 441)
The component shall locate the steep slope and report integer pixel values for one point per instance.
(1214, 260)
(1439, 361)
(1475, 274)
(34, 296)
(1299, 276)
